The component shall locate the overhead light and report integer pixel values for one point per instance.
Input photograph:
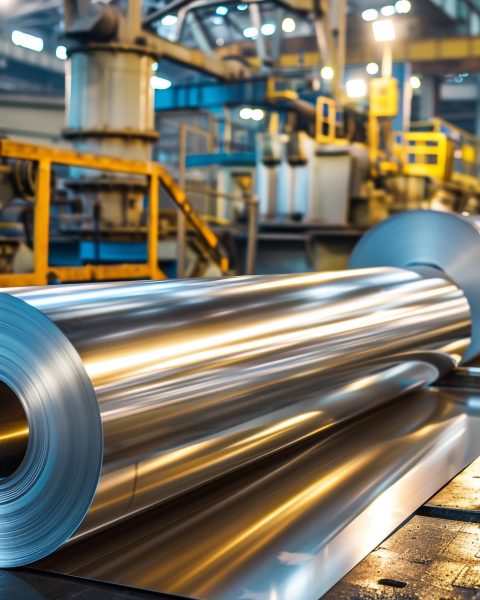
(61, 52)
(26, 40)
(268, 29)
(159, 83)
(372, 68)
(155, 66)
(169, 20)
(218, 20)
(242, 6)
(246, 113)
(222, 11)
(415, 82)
(327, 72)
(356, 88)
(370, 14)
(255, 114)
(250, 32)
(388, 10)
(288, 25)
(220, 41)
(403, 6)
(383, 30)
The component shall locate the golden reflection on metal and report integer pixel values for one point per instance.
(15, 433)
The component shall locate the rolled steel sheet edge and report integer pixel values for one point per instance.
(46, 498)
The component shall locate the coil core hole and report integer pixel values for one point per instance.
(14, 431)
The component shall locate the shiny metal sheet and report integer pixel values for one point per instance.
(291, 528)
(136, 393)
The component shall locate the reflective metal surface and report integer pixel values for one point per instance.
(180, 382)
(290, 528)
(445, 241)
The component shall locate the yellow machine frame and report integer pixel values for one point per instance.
(46, 157)
(326, 120)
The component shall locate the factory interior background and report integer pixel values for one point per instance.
(240, 299)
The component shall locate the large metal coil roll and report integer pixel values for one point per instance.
(443, 241)
(118, 397)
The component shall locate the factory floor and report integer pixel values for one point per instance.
(434, 556)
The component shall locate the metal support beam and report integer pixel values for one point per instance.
(195, 59)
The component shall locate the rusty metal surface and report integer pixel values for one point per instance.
(463, 492)
(427, 559)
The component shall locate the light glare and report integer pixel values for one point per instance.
(268, 29)
(370, 14)
(61, 52)
(403, 6)
(26, 40)
(250, 32)
(388, 11)
(288, 25)
(159, 83)
(383, 30)
(169, 20)
(372, 68)
(327, 73)
(415, 82)
(356, 88)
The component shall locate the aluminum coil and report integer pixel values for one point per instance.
(119, 397)
(447, 242)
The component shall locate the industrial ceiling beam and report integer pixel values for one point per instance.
(435, 50)
(41, 60)
(298, 6)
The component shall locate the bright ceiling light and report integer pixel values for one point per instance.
(415, 82)
(169, 20)
(288, 25)
(383, 30)
(403, 6)
(61, 52)
(327, 72)
(268, 29)
(250, 32)
(388, 10)
(356, 88)
(372, 68)
(31, 42)
(159, 83)
(218, 20)
(222, 11)
(257, 114)
(370, 14)
(242, 6)
(246, 113)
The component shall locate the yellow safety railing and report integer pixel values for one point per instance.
(45, 157)
(424, 154)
